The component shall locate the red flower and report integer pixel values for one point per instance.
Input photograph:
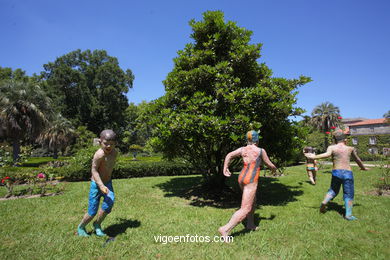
(41, 175)
(333, 127)
(339, 117)
(4, 179)
(327, 133)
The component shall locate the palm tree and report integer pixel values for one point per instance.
(24, 109)
(57, 135)
(325, 117)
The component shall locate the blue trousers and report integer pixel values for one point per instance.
(94, 199)
(345, 178)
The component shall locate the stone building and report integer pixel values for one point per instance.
(369, 135)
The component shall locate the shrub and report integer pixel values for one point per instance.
(384, 177)
(34, 179)
(19, 174)
(149, 169)
(5, 156)
(128, 170)
(78, 167)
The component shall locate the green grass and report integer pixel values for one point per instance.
(290, 225)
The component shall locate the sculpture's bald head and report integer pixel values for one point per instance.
(108, 135)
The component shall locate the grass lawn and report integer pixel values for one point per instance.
(290, 225)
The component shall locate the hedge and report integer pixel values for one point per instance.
(127, 170)
(78, 167)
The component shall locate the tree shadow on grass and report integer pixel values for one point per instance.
(121, 227)
(269, 192)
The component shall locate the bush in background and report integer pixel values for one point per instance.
(79, 167)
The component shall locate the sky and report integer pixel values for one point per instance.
(343, 45)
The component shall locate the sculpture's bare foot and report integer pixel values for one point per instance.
(224, 234)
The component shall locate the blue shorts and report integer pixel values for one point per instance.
(94, 198)
(345, 178)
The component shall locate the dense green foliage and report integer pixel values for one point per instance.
(216, 92)
(363, 145)
(73, 172)
(137, 129)
(79, 167)
(7, 74)
(88, 88)
(315, 139)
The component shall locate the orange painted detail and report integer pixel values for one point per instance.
(250, 173)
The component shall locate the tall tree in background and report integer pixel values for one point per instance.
(218, 91)
(7, 74)
(138, 129)
(89, 88)
(325, 117)
(24, 111)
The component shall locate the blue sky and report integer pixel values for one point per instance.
(343, 45)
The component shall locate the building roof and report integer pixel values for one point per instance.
(369, 122)
(349, 119)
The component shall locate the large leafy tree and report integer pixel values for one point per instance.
(216, 92)
(24, 112)
(89, 88)
(58, 135)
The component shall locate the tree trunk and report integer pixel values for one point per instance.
(326, 142)
(16, 149)
(217, 181)
(55, 153)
